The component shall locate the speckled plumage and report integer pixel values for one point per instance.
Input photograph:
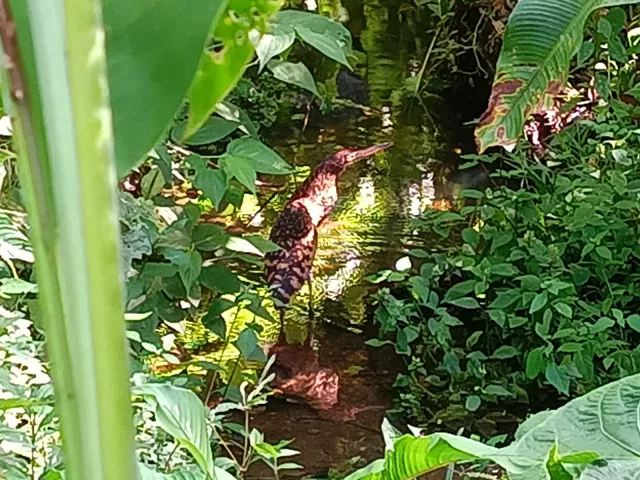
(295, 230)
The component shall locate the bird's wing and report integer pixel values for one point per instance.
(289, 268)
(293, 224)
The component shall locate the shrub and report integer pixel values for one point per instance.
(531, 290)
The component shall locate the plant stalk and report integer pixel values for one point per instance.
(66, 149)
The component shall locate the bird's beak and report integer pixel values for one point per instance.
(367, 152)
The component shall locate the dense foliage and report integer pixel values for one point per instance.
(531, 282)
(530, 289)
(522, 296)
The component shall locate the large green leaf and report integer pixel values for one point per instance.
(181, 414)
(618, 470)
(214, 129)
(541, 38)
(274, 43)
(223, 64)
(294, 73)
(152, 61)
(327, 36)
(263, 159)
(148, 474)
(605, 421)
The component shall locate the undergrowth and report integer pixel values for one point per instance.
(530, 294)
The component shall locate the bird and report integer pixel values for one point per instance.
(295, 230)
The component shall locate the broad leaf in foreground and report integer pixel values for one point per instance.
(151, 64)
(240, 27)
(602, 424)
(541, 38)
(181, 414)
(327, 36)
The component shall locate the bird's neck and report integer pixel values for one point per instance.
(318, 195)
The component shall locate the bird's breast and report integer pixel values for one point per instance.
(320, 203)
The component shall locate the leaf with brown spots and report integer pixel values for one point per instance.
(541, 38)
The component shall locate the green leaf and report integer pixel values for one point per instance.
(602, 421)
(505, 299)
(541, 38)
(504, 352)
(539, 302)
(212, 181)
(274, 43)
(294, 73)
(587, 49)
(634, 322)
(498, 391)
(465, 302)
(504, 270)
(564, 309)
(27, 403)
(148, 474)
(262, 244)
(418, 253)
(500, 240)
(476, 194)
(146, 40)
(232, 113)
(470, 236)
(557, 377)
(264, 160)
(190, 270)
(460, 290)
(213, 320)
(214, 129)
(535, 362)
(329, 37)
(473, 338)
(613, 469)
(208, 237)
(14, 245)
(181, 414)
(220, 279)
(604, 252)
(242, 169)
(221, 68)
(635, 91)
(473, 403)
(249, 346)
(604, 323)
(17, 286)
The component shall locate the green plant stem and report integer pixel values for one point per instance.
(66, 143)
(246, 453)
(426, 61)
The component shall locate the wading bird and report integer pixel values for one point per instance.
(295, 230)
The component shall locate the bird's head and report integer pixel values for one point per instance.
(338, 161)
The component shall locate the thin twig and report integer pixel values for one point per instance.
(166, 463)
(426, 61)
(226, 446)
(262, 207)
(475, 46)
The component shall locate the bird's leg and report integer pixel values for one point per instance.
(281, 335)
(312, 316)
(311, 312)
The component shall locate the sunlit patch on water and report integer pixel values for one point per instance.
(371, 227)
